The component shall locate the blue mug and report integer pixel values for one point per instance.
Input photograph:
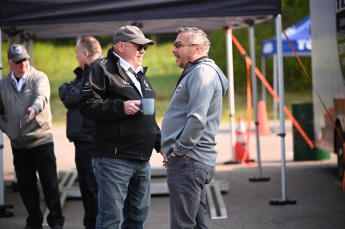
(148, 106)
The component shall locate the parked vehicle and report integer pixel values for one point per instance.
(328, 76)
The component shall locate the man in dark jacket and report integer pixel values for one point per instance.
(80, 129)
(124, 137)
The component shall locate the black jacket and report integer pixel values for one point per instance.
(78, 128)
(104, 90)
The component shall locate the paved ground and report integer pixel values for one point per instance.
(313, 184)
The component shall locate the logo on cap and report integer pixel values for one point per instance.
(18, 49)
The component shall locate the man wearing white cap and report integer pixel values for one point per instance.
(124, 137)
(25, 117)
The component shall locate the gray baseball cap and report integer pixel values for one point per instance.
(17, 52)
(131, 33)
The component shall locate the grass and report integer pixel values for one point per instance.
(58, 62)
(164, 95)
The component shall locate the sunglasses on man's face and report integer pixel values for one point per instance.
(139, 47)
(180, 45)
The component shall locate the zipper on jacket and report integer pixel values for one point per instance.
(143, 155)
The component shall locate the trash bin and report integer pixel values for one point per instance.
(304, 115)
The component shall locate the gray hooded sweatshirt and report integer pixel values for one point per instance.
(193, 116)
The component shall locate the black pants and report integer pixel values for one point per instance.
(87, 182)
(27, 162)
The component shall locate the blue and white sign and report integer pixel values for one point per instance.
(300, 37)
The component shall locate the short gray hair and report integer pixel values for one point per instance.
(197, 36)
(92, 46)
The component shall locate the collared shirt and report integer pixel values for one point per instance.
(19, 83)
(125, 65)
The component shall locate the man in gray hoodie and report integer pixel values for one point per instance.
(189, 127)
(25, 117)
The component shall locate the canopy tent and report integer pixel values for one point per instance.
(54, 18)
(300, 37)
(298, 34)
(71, 18)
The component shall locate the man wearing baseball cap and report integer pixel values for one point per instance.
(124, 137)
(25, 117)
(17, 52)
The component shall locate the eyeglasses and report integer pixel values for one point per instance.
(180, 45)
(139, 47)
(20, 61)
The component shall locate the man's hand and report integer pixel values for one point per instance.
(31, 114)
(132, 106)
(165, 161)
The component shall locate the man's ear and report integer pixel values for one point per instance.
(198, 48)
(119, 46)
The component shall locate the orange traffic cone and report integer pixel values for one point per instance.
(264, 128)
(241, 139)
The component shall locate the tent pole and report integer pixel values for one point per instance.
(263, 70)
(3, 207)
(231, 94)
(259, 177)
(275, 86)
(283, 200)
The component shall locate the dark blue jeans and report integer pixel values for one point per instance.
(187, 193)
(27, 162)
(87, 182)
(123, 192)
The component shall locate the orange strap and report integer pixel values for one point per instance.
(272, 92)
(315, 90)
